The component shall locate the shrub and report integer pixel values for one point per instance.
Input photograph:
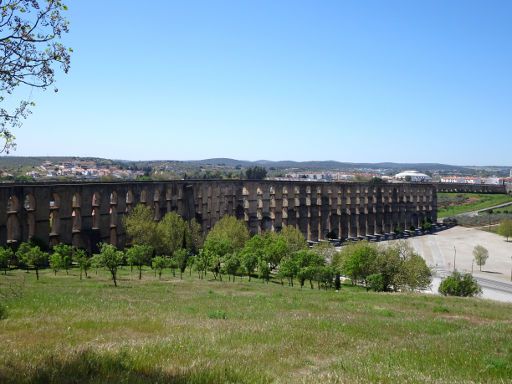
(218, 314)
(375, 282)
(460, 284)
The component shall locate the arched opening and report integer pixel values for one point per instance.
(29, 204)
(168, 200)
(144, 197)
(129, 201)
(95, 210)
(54, 219)
(13, 223)
(156, 204)
(76, 214)
(113, 218)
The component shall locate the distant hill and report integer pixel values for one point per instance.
(19, 161)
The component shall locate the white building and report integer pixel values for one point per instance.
(413, 176)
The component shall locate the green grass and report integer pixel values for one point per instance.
(63, 330)
(450, 204)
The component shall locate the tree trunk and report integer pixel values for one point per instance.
(80, 274)
(37, 274)
(140, 272)
(114, 278)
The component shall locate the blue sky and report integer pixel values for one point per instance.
(361, 81)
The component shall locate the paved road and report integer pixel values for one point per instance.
(475, 213)
(438, 251)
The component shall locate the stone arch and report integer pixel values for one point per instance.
(96, 201)
(129, 201)
(156, 204)
(143, 196)
(13, 223)
(168, 199)
(113, 209)
(75, 213)
(54, 219)
(29, 204)
(113, 218)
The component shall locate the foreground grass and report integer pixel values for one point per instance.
(63, 330)
(451, 204)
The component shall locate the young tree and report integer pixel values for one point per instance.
(203, 262)
(30, 31)
(22, 250)
(505, 229)
(83, 261)
(288, 269)
(139, 255)
(481, 254)
(109, 258)
(64, 256)
(6, 255)
(159, 263)
(231, 265)
(249, 257)
(35, 258)
(181, 257)
(56, 263)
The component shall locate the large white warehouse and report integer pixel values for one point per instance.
(413, 176)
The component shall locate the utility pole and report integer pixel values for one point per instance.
(454, 256)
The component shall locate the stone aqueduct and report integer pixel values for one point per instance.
(84, 214)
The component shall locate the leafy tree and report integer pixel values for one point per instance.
(294, 238)
(109, 258)
(416, 274)
(194, 236)
(203, 261)
(307, 261)
(181, 257)
(231, 265)
(288, 269)
(159, 263)
(56, 263)
(6, 256)
(35, 258)
(227, 236)
(20, 253)
(481, 254)
(252, 252)
(358, 260)
(505, 229)
(30, 31)
(263, 270)
(458, 284)
(139, 256)
(64, 254)
(256, 173)
(275, 248)
(172, 233)
(83, 261)
(326, 250)
(140, 226)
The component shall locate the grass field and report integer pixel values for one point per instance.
(450, 204)
(63, 330)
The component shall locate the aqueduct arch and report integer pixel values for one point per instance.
(84, 214)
